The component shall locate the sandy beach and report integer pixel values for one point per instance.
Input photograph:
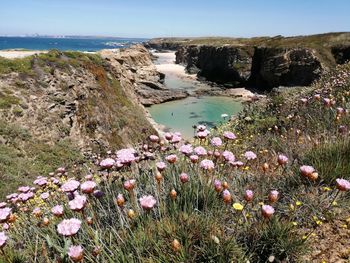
(11, 54)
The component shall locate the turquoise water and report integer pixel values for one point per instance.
(181, 115)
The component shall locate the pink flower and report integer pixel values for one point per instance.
(342, 129)
(41, 181)
(282, 159)
(26, 196)
(217, 186)
(317, 96)
(340, 111)
(176, 137)
(76, 253)
(229, 156)
(154, 138)
(216, 142)
(5, 226)
(237, 164)
(273, 196)
(78, 203)
(172, 158)
(57, 210)
(120, 200)
(249, 155)
(327, 102)
(267, 211)
(3, 239)
(161, 166)
(60, 170)
(5, 213)
(194, 158)
(186, 149)
(88, 187)
(147, 202)
(24, 189)
(200, 151)
(45, 195)
(126, 156)
(89, 177)
(226, 196)
(168, 136)
(249, 195)
(207, 164)
(306, 170)
(129, 184)
(201, 128)
(202, 134)
(11, 196)
(342, 184)
(107, 163)
(229, 135)
(37, 212)
(70, 186)
(54, 180)
(69, 227)
(184, 178)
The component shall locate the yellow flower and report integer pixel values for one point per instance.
(294, 223)
(319, 222)
(238, 206)
(291, 207)
(261, 203)
(246, 168)
(334, 203)
(344, 226)
(298, 203)
(304, 237)
(326, 189)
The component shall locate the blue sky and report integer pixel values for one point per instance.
(154, 18)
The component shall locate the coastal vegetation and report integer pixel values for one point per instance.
(269, 185)
(55, 107)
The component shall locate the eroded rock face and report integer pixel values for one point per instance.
(77, 97)
(217, 64)
(273, 67)
(261, 67)
(135, 68)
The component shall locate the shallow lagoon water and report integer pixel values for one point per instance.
(181, 115)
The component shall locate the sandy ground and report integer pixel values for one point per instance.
(11, 54)
(166, 64)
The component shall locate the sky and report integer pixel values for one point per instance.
(160, 18)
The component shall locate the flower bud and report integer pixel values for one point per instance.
(176, 245)
(173, 194)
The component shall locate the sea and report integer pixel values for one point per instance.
(67, 43)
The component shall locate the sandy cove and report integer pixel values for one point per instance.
(166, 64)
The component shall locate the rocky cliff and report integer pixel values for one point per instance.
(135, 68)
(263, 62)
(74, 96)
(260, 66)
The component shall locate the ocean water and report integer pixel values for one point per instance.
(78, 44)
(181, 115)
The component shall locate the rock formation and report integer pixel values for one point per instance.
(135, 68)
(261, 63)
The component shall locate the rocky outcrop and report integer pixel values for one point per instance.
(76, 96)
(341, 53)
(218, 64)
(161, 44)
(260, 67)
(134, 66)
(273, 67)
